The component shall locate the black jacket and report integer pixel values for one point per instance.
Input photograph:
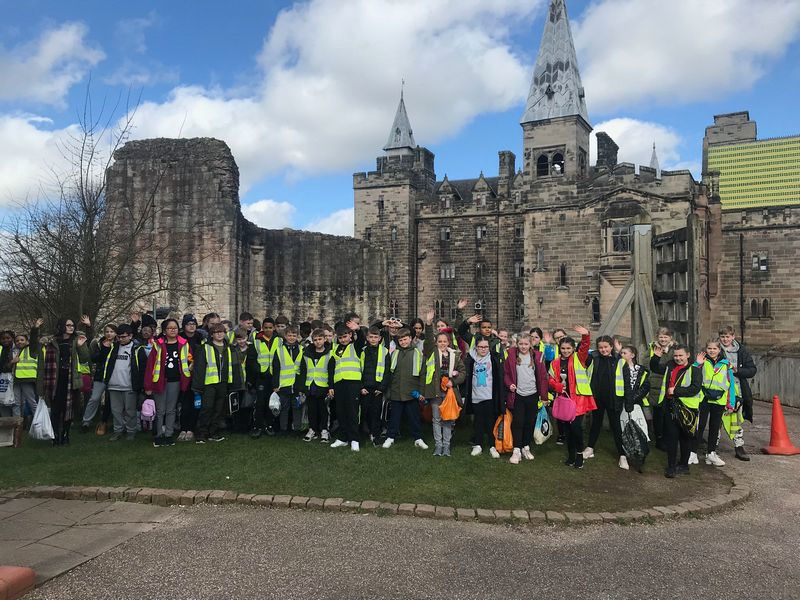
(498, 389)
(633, 394)
(745, 369)
(694, 387)
(137, 374)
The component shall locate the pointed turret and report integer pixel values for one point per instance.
(654, 162)
(401, 138)
(556, 89)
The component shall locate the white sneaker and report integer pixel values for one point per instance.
(324, 436)
(420, 443)
(476, 450)
(712, 458)
(526, 453)
(354, 446)
(189, 436)
(623, 463)
(388, 443)
(311, 435)
(493, 452)
(693, 459)
(339, 444)
(182, 436)
(588, 453)
(516, 456)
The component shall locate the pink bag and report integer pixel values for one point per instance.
(564, 408)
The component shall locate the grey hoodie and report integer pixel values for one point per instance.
(481, 377)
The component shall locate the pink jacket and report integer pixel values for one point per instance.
(158, 386)
(510, 375)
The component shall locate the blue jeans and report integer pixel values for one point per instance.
(411, 409)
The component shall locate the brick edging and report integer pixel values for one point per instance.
(162, 497)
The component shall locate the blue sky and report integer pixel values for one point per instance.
(305, 93)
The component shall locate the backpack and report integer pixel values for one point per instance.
(148, 413)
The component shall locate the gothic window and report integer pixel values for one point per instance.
(479, 271)
(519, 230)
(480, 232)
(765, 309)
(620, 238)
(595, 310)
(393, 308)
(542, 166)
(444, 234)
(437, 308)
(447, 271)
(368, 234)
(540, 259)
(558, 164)
(380, 204)
(562, 275)
(519, 269)
(394, 233)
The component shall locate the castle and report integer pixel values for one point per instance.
(547, 241)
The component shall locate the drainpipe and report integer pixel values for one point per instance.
(741, 285)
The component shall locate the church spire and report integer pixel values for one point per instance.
(556, 89)
(401, 138)
(654, 162)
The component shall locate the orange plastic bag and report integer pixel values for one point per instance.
(449, 409)
(503, 442)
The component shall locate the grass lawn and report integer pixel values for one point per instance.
(287, 465)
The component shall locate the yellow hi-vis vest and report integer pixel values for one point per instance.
(619, 382)
(691, 401)
(266, 352)
(183, 356)
(715, 377)
(317, 370)
(416, 362)
(212, 370)
(381, 366)
(27, 367)
(430, 367)
(289, 368)
(348, 365)
(583, 376)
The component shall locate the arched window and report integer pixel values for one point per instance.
(557, 164)
(393, 308)
(542, 166)
(754, 308)
(765, 308)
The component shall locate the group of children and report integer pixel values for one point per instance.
(347, 383)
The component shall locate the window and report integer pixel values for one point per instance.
(517, 197)
(562, 275)
(445, 202)
(380, 204)
(481, 199)
(754, 307)
(595, 310)
(765, 309)
(480, 232)
(447, 271)
(542, 166)
(519, 269)
(390, 273)
(454, 311)
(558, 164)
(394, 233)
(393, 308)
(437, 308)
(444, 234)
(368, 234)
(582, 161)
(620, 238)
(760, 261)
(519, 230)
(519, 310)
(479, 271)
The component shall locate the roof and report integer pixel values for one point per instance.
(464, 187)
(400, 135)
(556, 89)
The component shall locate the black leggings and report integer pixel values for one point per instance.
(675, 436)
(524, 415)
(317, 413)
(574, 433)
(605, 407)
(483, 426)
(712, 414)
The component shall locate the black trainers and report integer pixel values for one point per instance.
(157, 442)
(682, 470)
(579, 461)
(199, 440)
(255, 433)
(570, 462)
(168, 441)
(216, 438)
(270, 431)
(669, 473)
(560, 440)
(741, 454)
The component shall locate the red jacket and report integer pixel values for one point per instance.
(583, 404)
(161, 384)
(510, 375)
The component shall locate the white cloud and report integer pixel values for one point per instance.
(635, 140)
(269, 213)
(129, 34)
(329, 79)
(44, 69)
(641, 51)
(137, 75)
(340, 222)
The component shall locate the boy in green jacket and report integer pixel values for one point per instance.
(407, 376)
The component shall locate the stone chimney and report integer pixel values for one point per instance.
(606, 151)
(506, 169)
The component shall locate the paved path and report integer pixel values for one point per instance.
(243, 552)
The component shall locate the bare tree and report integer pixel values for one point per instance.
(71, 252)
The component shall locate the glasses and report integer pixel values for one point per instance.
(483, 347)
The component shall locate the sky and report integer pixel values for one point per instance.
(304, 93)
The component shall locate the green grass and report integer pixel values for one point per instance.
(287, 465)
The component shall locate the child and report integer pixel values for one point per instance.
(484, 333)
(443, 361)
(631, 386)
(99, 351)
(484, 394)
(604, 365)
(188, 412)
(665, 343)
(316, 378)
(241, 348)
(407, 374)
(213, 377)
(716, 397)
(8, 360)
(374, 360)
(570, 374)
(120, 376)
(28, 369)
(682, 383)
(525, 377)
(259, 365)
(168, 374)
(285, 367)
(347, 386)
(743, 367)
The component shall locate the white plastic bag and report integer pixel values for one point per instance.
(638, 417)
(41, 427)
(275, 404)
(542, 430)
(7, 389)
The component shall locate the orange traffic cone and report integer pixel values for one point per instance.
(779, 442)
